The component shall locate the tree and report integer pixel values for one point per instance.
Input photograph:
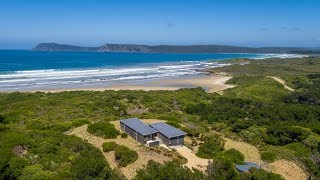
(125, 156)
(88, 164)
(234, 156)
(211, 147)
(1, 118)
(221, 169)
(169, 170)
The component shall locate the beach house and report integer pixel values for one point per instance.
(138, 130)
(153, 134)
(169, 135)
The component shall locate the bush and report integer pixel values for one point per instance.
(221, 168)
(59, 156)
(125, 156)
(234, 156)
(124, 135)
(180, 159)
(1, 118)
(300, 149)
(261, 174)
(212, 147)
(109, 146)
(89, 163)
(174, 124)
(103, 129)
(168, 170)
(284, 134)
(192, 132)
(268, 156)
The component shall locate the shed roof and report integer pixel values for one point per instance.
(246, 166)
(167, 130)
(138, 126)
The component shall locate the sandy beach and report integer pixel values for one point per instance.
(211, 83)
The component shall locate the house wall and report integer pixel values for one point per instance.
(132, 133)
(175, 141)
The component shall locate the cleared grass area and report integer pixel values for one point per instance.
(250, 152)
(256, 88)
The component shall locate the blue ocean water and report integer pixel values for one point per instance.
(32, 70)
(34, 60)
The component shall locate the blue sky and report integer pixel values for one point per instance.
(24, 23)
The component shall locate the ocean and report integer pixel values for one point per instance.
(31, 70)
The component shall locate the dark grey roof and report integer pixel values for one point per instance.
(137, 125)
(246, 166)
(167, 130)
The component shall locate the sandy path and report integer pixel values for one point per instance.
(289, 170)
(281, 81)
(193, 160)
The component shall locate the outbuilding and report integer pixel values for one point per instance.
(169, 135)
(138, 130)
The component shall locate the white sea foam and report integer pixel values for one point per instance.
(60, 78)
(35, 79)
(282, 56)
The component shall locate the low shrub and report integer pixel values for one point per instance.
(168, 170)
(103, 129)
(180, 159)
(234, 156)
(124, 135)
(174, 124)
(261, 174)
(268, 156)
(212, 147)
(299, 148)
(109, 146)
(125, 156)
(191, 131)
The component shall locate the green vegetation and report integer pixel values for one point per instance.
(109, 146)
(268, 156)
(258, 110)
(125, 156)
(174, 124)
(217, 169)
(124, 135)
(221, 168)
(48, 154)
(103, 129)
(260, 174)
(211, 148)
(234, 156)
(169, 170)
(253, 87)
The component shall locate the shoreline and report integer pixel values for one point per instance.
(211, 83)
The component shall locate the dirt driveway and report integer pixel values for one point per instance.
(193, 160)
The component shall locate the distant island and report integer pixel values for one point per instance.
(174, 49)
